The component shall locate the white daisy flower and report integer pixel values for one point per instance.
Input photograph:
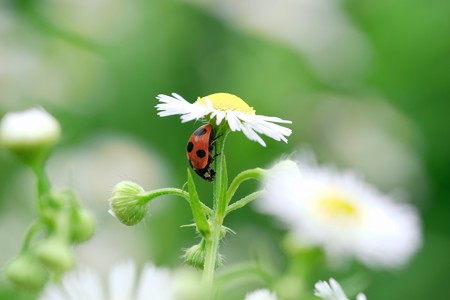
(29, 129)
(333, 291)
(123, 284)
(341, 213)
(225, 107)
(262, 294)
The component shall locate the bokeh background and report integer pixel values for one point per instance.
(365, 83)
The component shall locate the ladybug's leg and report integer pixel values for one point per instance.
(213, 141)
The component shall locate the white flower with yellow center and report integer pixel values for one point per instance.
(341, 213)
(333, 291)
(225, 107)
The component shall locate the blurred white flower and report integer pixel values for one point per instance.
(341, 213)
(262, 294)
(333, 291)
(222, 106)
(368, 127)
(319, 30)
(123, 283)
(102, 20)
(33, 128)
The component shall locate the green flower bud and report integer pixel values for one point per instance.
(125, 204)
(195, 256)
(27, 272)
(55, 254)
(82, 225)
(29, 134)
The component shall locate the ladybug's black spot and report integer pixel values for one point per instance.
(201, 153)
(190, 146)
(200, 131)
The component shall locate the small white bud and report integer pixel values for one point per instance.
(29, 134)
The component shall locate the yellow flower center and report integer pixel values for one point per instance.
(224, 102)
(337, 207)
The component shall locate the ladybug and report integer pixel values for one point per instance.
(199, 151)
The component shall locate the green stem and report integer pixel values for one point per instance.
(256, 173)
(43, 183)
(32, 230)
(212, 248)
(244, 201)
(219, 205)
(148, 196)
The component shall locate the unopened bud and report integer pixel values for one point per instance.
(195, 256)
(125, 204)
(82, 225)
(55, 254)
(26, 272)
(29, 134)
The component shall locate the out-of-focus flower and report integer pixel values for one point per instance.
(55, 254)
(332, 291)
(320, 30)
(365, 128)
(101, 20)
(26, 271)
(30, 128)
(262, 294)
(29, 134)
(222, 106)
(123, 283)
(341, 213)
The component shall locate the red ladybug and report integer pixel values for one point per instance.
(199, 151)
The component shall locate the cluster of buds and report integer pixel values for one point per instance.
(61, 222)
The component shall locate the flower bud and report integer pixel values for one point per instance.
(29, 134)
(126, 205)
(82, 225)
(27, 272)
(55, 254)
(195, 256)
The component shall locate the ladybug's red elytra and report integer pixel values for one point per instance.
(199, 151)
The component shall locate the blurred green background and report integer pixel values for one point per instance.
(365, 83)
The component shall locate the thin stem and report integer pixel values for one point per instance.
(256, 173)
(219, 191)
(148, 196)
(32, 230)
(212, 248)
(243, 202)
(43, 183)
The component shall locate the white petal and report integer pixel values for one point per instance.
(262, 294)
(155, 283)
(361, 296)
(83, 284)
(122, 280)
(220, 116)
(53, 292)
(252, 135)
(234, 122)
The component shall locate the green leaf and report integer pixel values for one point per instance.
(197, 208)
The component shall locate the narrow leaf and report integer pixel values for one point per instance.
(197, 209)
